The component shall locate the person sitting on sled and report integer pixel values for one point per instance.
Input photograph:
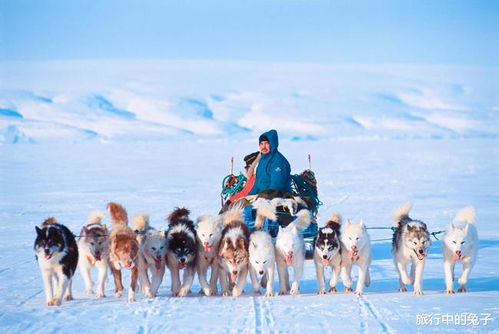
(272, 168)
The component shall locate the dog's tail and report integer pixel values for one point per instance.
(401, 214)
(140, 221)
(334, 221)
(467, 215)
(118, 213)
(264, 209)
(95, 218)
(49, 221)
(178, 213)
(302, 220)
(235, 213)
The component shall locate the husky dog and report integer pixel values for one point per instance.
(264, 209)
(355, 248)
(411, 241)
(290, 251)
(93, 246)
(57, 255)
(287, 204)
(327, 252)
(209, 232)
(181, 251)
(262, 262)
(233, 255)
(460, 244)
(140, 226)
(151, 257)
(123, 250)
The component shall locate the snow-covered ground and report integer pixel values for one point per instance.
(360, 178)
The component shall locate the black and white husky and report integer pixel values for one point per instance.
(93, 246)
(181, 250)
(57, 255)
(460, 244)
(327, 252)
(411, 241)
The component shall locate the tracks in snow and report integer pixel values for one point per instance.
(368, 308)
(264, 319)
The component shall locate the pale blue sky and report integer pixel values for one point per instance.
(438, 32)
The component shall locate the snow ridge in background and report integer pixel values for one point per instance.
(74, 101)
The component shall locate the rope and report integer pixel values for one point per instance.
(229, 191)
(304, 189)
(434, 234)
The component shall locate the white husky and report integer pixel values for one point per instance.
(93, 246)
(209, 233)
(290, 251)
(411, 241)
(355, 248)
(460, 244)
(151, 256)
(262, 262)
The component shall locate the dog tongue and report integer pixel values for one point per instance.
(207, 249)
(181, 265)
(325, 262)
(421, 256)
(97, 257)
(48, 256)
(233, 277)
(157, 264)
(353, 254)
(289, 260)
(457, 257)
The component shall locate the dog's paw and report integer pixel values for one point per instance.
(183, 292)
(51, 302)
(322, 292)
(236, 292)
(56, 302)
(100, 294)
(358, 292)
(69, 297)
(206, 291)
(130, 299)
(402, 289)
(418, 292)
(450, 291)
(269, 294)
(348, 290)
(461, 281)
(462, 289)
(295, 291)
(118, 294)
(89, 292)
(225, 293)
(283, 292)
(333, 289)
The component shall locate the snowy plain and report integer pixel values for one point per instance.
(154, 136)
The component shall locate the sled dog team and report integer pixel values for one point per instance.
(224, 245)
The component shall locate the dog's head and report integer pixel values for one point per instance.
(327, 244)
(457, 240)
(154, 245)
(354, 237)
(261, 252)
(233, 251)
(417, 239)
(49, 240)
(96, 238)
(287, 242)
(209, 232)
(182, 245)
(125, 248)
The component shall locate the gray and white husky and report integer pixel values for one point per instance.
(93, 245)
(209, 233)
(355, 248)
(262, 262)
(410, 244)
(290, 251)
(327, 252)
(152, 255)
(460, 244)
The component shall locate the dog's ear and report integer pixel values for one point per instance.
(254, 245)
(243, 243)
(410, 228)
(466, 228)
(38, 230)
(104, 227)
(424, 227)
(362, 223)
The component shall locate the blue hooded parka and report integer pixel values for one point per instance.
(273, 171)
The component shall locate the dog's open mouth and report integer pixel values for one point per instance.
(157, 263)
(207, 247)
(457, 256)
(233, 277)
(48, 256)
(325, 262)
(97, 256)
(181, 265)
(420, 256)
(289, 259)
